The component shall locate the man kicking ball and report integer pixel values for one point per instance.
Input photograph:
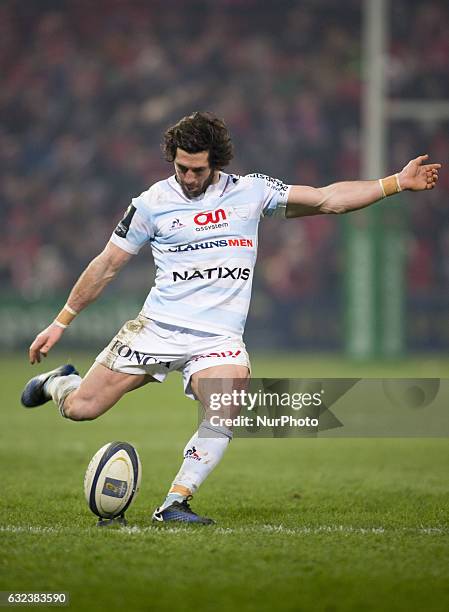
(202, 226)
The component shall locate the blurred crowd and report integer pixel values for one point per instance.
(87, 89)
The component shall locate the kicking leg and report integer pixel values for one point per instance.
(81, 399)
(98, 391)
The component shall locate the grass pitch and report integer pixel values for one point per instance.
(303, 524)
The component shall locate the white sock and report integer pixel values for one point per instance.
(202, 453)
(172, 497)
(59, 388)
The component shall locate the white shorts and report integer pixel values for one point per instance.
(144, 346)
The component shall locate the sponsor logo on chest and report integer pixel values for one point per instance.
(210, 220)
(211, 244)
(213, 274)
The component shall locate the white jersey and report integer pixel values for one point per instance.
(204, 248)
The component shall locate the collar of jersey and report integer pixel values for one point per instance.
(217, 188)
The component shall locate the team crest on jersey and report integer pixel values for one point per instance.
(242, 211)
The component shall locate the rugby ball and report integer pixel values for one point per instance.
(112, 479)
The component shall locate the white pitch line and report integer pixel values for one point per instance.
(29, 529)
(273, 529)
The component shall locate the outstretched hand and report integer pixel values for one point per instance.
(44, 342)
(418, 176)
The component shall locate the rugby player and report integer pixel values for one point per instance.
(202, 226)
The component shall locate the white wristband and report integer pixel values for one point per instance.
(70, 309)
(59, 324)
(396, 176)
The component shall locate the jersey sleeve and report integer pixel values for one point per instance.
(136, 228)
(273, 194)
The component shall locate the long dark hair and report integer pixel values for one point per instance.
(198, 132)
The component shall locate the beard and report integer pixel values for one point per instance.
(194, 193)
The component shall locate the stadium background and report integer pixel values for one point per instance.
(86, 94)
(86, 91)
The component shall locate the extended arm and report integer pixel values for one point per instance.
(88, 287)
(353, 195)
